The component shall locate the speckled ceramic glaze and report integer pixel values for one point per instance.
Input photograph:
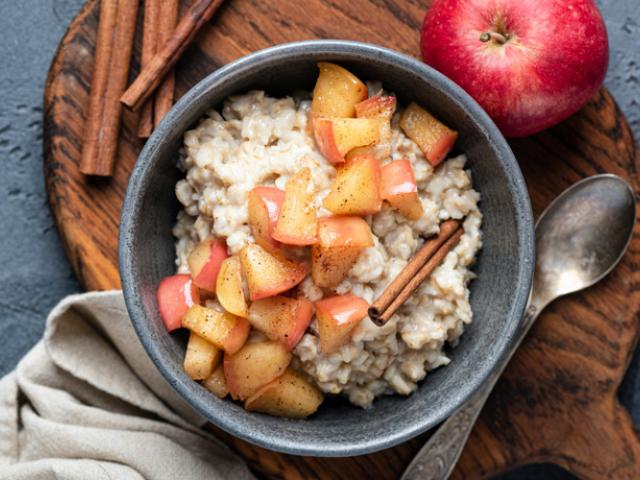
(498, 295)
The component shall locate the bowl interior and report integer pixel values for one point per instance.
(498, 295)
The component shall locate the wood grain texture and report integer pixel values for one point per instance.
(556, 401)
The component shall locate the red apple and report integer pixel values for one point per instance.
(205, 261)
(281, 319)
(335, 137)
(399, 188)
(297, 223)
(216, 383)
(224, 330)
(176, 294)
(378, 106)
(337, 316)
(264, 209)
(269, 274)
(529, 64)
(290, 395)
(356, 189)
(341, 239)
(253, 366)
(229, 287)
(433, 137)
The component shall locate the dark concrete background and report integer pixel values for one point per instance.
(34, 272)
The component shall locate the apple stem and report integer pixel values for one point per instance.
(497, 37)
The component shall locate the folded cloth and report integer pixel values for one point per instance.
(86, 402)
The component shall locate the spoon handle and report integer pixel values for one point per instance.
(437, 458)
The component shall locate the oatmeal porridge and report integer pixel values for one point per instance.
(257, 141)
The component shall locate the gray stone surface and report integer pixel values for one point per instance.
(35, 272)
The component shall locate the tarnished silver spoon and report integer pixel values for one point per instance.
(580, 237)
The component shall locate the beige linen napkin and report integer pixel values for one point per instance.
(87, 403)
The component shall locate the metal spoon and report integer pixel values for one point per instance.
(580, 237)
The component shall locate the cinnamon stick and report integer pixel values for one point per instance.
(150, 27)
(164, 95)
(422, 274)
(104, 48)
(150, 76)
(410, 270)
(113, 54)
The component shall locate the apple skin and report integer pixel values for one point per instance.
(554, 60)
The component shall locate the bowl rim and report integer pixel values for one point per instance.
(525, 238)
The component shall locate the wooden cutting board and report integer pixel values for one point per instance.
(557, 400)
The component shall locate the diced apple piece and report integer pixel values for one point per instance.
(201, 357)
(290, 395)
(204, 263)
(399, 188)
(264, 208)
(175, 295)
(297, 223)
(397, 178)
(268, 274)
(356, 190)
(378, 106)
(255, 365)
(408, 205)
(336, 92)
(433, 137)
(340, 241)
(281, 319)
(229, 287)
(335, 137)
(224, 330)
(337, 317)
(216, 382)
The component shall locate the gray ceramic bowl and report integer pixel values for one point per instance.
(498, 295)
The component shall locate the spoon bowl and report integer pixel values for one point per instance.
(581, 236)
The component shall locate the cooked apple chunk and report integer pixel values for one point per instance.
(356, 190)
(399, 188)
(224, 330)
(288, 396)
(433, 137)
(297, 223)
(268, 274)
(264, 209)
(340, 241)
(229, 287)
(337, 91)
(335, 137)
(204, 263)
(175, 295)
(378, 106)
(382, 107)
(216, 382)
(201, 357)
(253, 366)
(337, 317)
(282, 319)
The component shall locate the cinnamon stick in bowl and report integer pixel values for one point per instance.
(430, 255)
